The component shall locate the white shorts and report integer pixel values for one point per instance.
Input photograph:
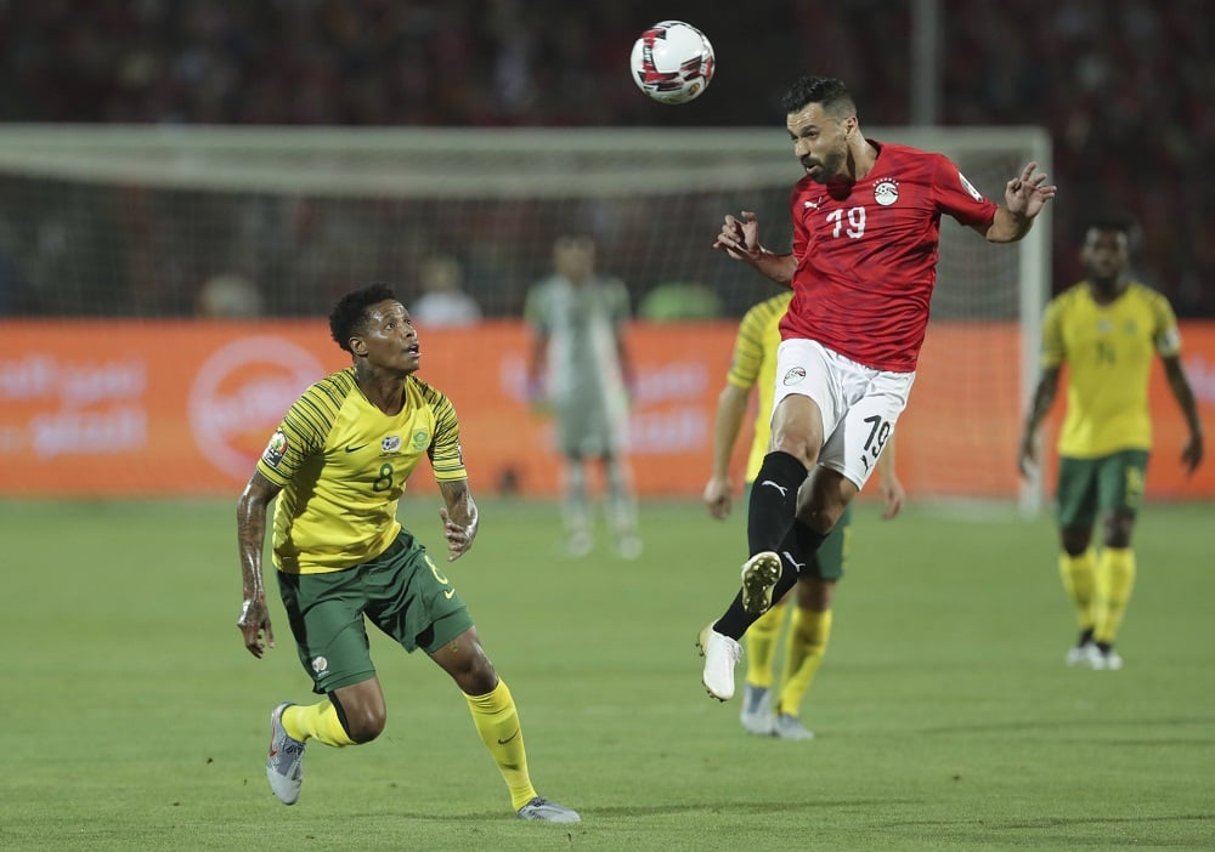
(859, 404)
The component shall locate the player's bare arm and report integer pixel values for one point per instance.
(537, 361)
(254, 621)
(1191, 455)
(1044, 396)
(731, 408)
(460, 519)
(894, 496)
(1024, 198)
(739, 238)
(626, 365)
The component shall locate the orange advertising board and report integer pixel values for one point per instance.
(114, 408)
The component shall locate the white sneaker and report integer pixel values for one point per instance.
(629, 547)
(285, 763)
(1105, 661)
(759, 576)
(1080, 655)
(721, 654)
(541, 809)
(579, 544)
(756, 713)
(788, 727)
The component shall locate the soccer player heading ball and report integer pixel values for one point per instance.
(866, 231)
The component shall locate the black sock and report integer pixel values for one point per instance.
(802, 543)
(773, 501)
(1086, 636)
(736, 620)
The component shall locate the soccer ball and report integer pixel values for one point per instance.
(672, 62)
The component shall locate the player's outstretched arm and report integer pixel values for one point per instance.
(1044, 395)
(1191, 456)
(739, 238)
(1024, 198)
(254, 621)
(460, 518)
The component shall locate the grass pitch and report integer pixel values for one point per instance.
(945, 717)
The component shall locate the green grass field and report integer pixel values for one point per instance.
(133, 717)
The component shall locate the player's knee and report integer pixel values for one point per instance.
(479, 678)
(1075, 540)
(798, 444)
(1118, 528)
(817, 512)
(366, 722)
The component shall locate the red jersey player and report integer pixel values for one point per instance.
(866, 226)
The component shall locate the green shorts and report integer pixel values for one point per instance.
(828, 563)
(1112, 483)
(401, 591)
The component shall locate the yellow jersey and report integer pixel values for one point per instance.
(342, 464)
(754, 363)
(1108, 350)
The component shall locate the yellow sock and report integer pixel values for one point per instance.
(761, 645)
(808, 635)
(1079, 581)
(316, 721)
(497, 722)
(1115, 579)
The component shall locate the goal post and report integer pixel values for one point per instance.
(137, 222)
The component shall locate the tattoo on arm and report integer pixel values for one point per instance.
(460, 505)
(251, 531)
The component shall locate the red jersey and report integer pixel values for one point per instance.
(867, 254)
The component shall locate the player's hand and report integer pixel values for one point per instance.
(459, 537)
(894, 496)
(1028, 193)
(1027, 454)
(739, 238)
(717, 497)
(254, 621)
(1191, 456)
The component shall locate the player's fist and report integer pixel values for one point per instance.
(717, 497)
(1027, 454)
(1191, 456)
(254, 621)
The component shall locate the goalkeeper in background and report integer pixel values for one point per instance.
(1105, 329)
(577, 318)
(754, 364)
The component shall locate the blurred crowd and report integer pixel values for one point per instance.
(1126, 87)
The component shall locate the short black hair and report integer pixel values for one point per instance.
(350, 312)
(1117, 222)
(828, 91)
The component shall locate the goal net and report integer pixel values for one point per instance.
(143, 226)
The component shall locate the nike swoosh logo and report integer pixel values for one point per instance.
(447, 593)
(355, 449)
(508, 739)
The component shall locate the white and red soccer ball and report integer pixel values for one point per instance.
(672, 62)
